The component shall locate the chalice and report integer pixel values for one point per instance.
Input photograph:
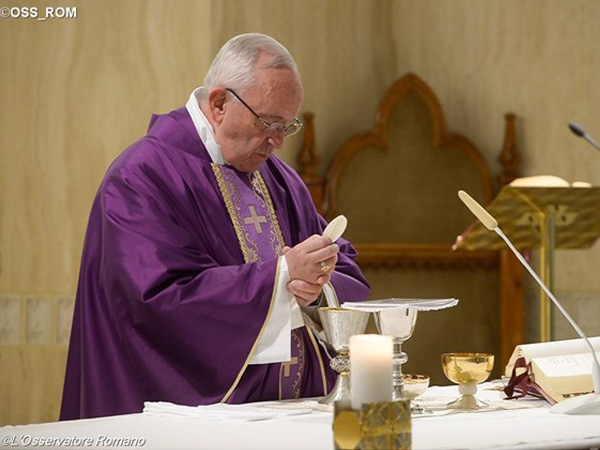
(400, 324)
(467, 370)
(339, 324)
(415, 385)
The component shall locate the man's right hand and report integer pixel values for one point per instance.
(304, 259)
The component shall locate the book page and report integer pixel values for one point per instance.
(566, 365)
(562, 376)
(554, 348)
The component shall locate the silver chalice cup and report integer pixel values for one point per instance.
(339, 324)
(400, 324)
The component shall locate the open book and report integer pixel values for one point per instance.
(556, 370)
(547, 181)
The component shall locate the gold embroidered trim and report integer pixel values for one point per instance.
(321, 366)
(241, 239)
(280, 382)
(230, 209)
(297, 383)
(253, 349)
(270, 208)
(274, 235)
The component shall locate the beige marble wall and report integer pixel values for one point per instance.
(34, 333)
(77, 91)
(536, 58)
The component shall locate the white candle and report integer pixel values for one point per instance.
(371, 380)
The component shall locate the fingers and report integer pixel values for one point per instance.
(317, 248)
(325, 253)
(304, 302)
(323, 279)
(328, 266)
(303, 288)
(306, 258)
(315, 242)
(305, 293)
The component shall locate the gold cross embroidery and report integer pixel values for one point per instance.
(255, 219)
(287, 365)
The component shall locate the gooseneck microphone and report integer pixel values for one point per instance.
(584, 404)
(579, 131)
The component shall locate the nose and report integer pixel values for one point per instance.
(276, 140)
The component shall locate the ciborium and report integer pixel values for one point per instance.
(467, 370)
(339, 324)
(414, 386)
(400, 324)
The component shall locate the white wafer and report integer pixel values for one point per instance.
(336, 228)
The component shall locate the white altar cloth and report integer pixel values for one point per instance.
(533, 428)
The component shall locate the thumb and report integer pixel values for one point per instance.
(323, 279)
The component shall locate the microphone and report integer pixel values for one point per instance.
(579, 131)
(583, 404)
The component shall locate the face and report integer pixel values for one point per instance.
(275, 96)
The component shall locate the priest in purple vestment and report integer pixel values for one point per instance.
(203, 258)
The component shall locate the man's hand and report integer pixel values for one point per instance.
(310, 264)
(305, 293)
(304, 260)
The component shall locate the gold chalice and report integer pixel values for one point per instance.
(467, 370)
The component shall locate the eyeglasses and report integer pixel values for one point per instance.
(273, 128)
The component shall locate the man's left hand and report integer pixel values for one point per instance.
(305, 292)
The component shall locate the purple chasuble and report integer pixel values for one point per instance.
(254, 220)
(167, 307)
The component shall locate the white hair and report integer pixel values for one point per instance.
(235, 66)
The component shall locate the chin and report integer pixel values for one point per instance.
(251, 164)
(259, 164)
(247, 168)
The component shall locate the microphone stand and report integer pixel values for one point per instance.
(579, 131)
(583, 404)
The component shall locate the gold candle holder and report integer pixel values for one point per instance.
(382, 425)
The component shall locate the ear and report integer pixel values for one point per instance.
(216, 104)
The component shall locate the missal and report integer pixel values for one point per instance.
(553, 370)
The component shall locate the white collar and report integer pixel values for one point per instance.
(203, 127)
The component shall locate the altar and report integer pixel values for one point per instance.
(531, 427)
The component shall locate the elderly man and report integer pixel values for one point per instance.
(203, 254)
